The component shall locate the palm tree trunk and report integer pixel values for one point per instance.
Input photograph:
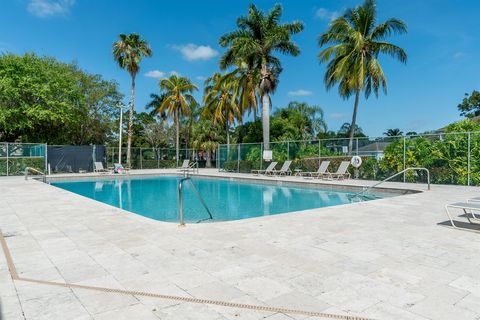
(177, 138)
(228, 134)
(354, 123)
(265, 107)
(266, 121)
(209, 159)
(130, 123)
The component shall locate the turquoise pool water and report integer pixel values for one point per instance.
(157, 197)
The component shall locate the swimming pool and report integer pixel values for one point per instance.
(157, 197)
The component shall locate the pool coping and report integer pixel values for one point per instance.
(266, 180)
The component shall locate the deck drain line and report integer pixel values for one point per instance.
(14, 275)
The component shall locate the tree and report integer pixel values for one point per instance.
(207, 136)
(298, 121)
(393, 132)
(257, 38)
(45, 100)
(128, 52)
(221, 102)
(158, 134)
(470, 106)
(346, 129)
(155, 102)
(356, 43)
(178, 101)
(245, 79)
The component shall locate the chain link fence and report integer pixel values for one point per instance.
(157, 158)
(15, 157)
(452, 158)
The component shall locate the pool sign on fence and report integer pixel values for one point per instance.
(267, 155)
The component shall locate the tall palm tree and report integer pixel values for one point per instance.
(257, 38)
(221, 102)
(356, 42)
(128, 52)
(177, 101)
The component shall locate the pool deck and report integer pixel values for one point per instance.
(393, 258)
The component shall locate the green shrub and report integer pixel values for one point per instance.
(16, 166)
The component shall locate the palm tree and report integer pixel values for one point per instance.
(207, 137)
(244, 79)
(257, 38)
(128, 52)
(314, 118)
(346, 129)
(178, 101)
(221, 101)
(393, 132)
(356, 42)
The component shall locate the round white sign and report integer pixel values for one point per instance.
(356, 162)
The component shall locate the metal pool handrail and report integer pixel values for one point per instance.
(180, 197)
(393, 176)
(27, 169)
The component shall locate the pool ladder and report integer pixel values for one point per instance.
(180, 199)
(30, 169)
(390, 178)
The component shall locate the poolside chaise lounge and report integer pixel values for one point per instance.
(118, 168)
(185, 165)
(322, 169)
(284, 170)
(465, 206)
(269, 169)
(98, 167)
(342, 172)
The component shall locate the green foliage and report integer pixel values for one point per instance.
(345, 129)
(353, 44)
(298, 121)
(44, 100)
(393, 132)
(258, 37)
(254, 154)
(470, 106)
(207, 136)
(16, 166)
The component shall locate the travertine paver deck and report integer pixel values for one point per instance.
(385, 259)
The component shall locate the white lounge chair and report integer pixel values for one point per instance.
(284, 170)
(341, 173)
(185, 165)
(118, 168)
(98, 167)
(267, 171)
(322, 169)
(465, 206)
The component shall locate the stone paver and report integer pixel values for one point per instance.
(386, 259)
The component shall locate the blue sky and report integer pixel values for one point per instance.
(443, 47)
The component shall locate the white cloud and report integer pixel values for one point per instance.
(458, 55)
(173, 72)
(337, 116)
(49, 8)
(325, 14)
(300, 93)
(192, 52)
(155, 74)
(200, 78)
